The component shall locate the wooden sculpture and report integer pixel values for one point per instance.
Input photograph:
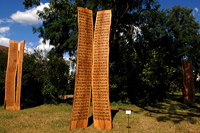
(83, 83)
(92, 71)
(188, 81)
(14, 75)
(100, 75)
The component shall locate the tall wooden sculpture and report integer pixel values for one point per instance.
(14, 75)
(188, 81)
(100, 75)
(92, 71)
(83, 83)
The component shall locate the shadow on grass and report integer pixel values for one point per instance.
(113, 113)
(90, 120)
(174, 110)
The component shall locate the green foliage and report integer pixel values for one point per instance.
(169, 33)
(31, 82)
(157, 53)
(146, 44)
(146, 67)
(60, 26)
(3, 60)
(45, 77)
(119, 103)
(30, 3)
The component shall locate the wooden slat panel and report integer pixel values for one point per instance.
(10, 80)
(188, 81)
(100, 84)
(19, 75)
(83, 81)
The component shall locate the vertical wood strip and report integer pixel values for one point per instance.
(10, 81)
(83, 81)
(100, 78)
(19, 75)
(188, 81)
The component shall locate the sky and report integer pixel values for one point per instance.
(193, 4)
(16, 22)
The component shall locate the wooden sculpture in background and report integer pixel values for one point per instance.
(188, 81)
(92, 71)
(14, 75)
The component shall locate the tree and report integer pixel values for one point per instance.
(60, 27)
(32, 82)
(146, 44)
(55, 78)
(45, 77)
(3, 60)
(175, 32)
(60, 19)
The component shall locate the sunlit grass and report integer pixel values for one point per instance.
(171, 116)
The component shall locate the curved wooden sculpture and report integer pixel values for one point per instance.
(92, 71)
(14, 75)
(188, 81)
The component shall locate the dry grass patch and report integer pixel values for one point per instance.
(171, 116)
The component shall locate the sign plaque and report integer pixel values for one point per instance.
(128, 112)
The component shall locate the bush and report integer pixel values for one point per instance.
(45, 77)
(3, 60)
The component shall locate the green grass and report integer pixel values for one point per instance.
(171, 116)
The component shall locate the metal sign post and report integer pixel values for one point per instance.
(128, 112)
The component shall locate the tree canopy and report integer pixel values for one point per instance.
(3, 60)
(146, 43)
(60, 19)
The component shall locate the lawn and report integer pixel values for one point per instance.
(171, 116)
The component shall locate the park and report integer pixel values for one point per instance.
(164, 117)
(135, 69)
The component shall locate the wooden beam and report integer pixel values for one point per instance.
(83, 82)
(10, 81)
(100, 77)
(188, 81)
(19, 75)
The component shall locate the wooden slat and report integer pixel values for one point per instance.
(83, 81)
(188, 81)
(10, 80)
(92, 70)
(19, 75)
(100, 80)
